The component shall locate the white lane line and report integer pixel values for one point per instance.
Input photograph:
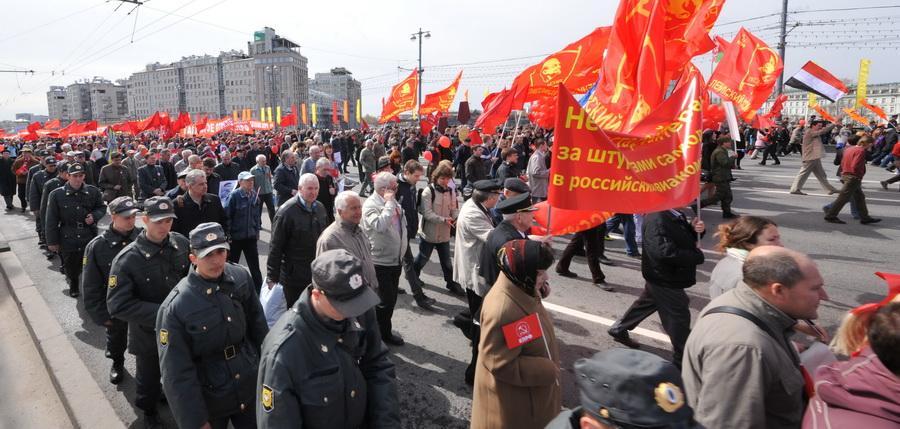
(763, 176)
(604, 321)
(820, 195)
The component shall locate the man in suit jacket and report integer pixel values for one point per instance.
(669, 264)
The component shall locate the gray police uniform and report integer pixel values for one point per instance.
(35, 192)
(209, 337)
(67, 209)
(98, 257)
(326, 374)
(141, 277)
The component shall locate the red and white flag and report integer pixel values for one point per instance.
(815, 79)
(522, 331)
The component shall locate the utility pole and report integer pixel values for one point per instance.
(781, 45)
(418, 35)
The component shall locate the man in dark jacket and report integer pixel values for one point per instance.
(409, 151)
(227, 169)
(197, 206)
(669, 265)
(298, 224)
(509, 168)
(151, 181)
(720, 165)
(286, 177)
(36, 190)
(406, 195)
(98, 257)
(475, 168)
(114, 179)
(213, 180)
(323, 363)
(244, 212)
(7, 179)
(168, 169)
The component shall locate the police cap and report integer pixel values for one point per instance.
(339, 275)
(123, 206)
(487, 185)
(75, 168)
(516, 185)
(159, 208)
(517, 204)
(206, 237)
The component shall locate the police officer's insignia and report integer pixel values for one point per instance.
(268, 398)
(164, 337)
(84, 261)
(669, 397)
(112, 282)
(211, 236)
(129, 204)
(163, 206)
(356, 281)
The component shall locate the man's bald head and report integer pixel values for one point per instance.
(785, 278)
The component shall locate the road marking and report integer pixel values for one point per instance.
(763, 176)
(604, 321)
(821, 195)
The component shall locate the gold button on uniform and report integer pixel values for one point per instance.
(243, 407)
(228, 318)
(237, 376)
(353, 393)
(325, 399)
(324, 348)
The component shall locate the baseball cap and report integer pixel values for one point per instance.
(208, 236)
(633, 389)
(339, 275)
(244, 175)
(123, 206)
(517, 204)
(159, 208)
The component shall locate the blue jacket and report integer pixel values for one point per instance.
(244, 214)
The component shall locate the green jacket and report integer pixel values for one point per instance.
(720, 165)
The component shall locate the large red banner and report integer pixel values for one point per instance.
(402, 99)
(442, 100)
(654, 167)
(746, 74)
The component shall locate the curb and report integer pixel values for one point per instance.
(82, 398)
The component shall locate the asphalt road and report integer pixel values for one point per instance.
(430, 366)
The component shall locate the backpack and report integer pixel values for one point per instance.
(419, 198)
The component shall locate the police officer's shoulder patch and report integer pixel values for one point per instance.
(112, 281)
(163, 337)
(267, 397)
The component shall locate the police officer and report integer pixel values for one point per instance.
(141, 277)
(323, 363)
(622, 388)
(98, 257)
(72, 215)
(210, 329)
(62, 176)
(35, 191)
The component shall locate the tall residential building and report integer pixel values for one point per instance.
(108, 100)
(78, 95)
(280, 72)
(339, 83)
(57, 105)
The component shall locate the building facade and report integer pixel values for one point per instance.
(57, 105)
(108, 100)
(281, 75)
(340, 85)
(884, 95)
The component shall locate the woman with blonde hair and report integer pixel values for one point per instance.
(736, 240)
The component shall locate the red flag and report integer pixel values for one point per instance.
(33, 127)
(427, 124)
(52, 125)
(365, 126)
(746, 74)
(201, 124)
(183, 120)
(576, 66)
(566, 221)
(497, 107)
(853, 114)
(687, 30)
(150, 122)
(654, 167)
(347, 111)
(68, 129)
(631, 81)
(442, 100)
(402, 98)
(303, 113)
(334, 113)
(777, 106)
(475, 138)
(289, 120)
(522, 331)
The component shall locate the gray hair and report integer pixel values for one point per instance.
(186, 153)
(308, 179)
(260, 156)
(193, 159)
(776, 267)
(340, 202)
(383, 180)
(323, 163)
(193, 176)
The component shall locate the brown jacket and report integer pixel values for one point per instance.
(110, 176)
(516, 388)
(17, 164)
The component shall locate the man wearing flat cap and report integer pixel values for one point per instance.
(98, 257)
(627, 389)
(323, 364)
(140, 278)
(211, 327)
(73, 212)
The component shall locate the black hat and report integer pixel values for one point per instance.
(517, 204)
(516, 185)
(50, 161)
(5, 150)
(159, 208)
(123, 206)
(487, 185)
(62, 166)
(183, 173)
(206, 237)
(339, 275)
(384, 161)
(632, 388)
(76, 168)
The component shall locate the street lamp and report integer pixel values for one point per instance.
(418, 35)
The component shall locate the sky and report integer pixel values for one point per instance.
(491, 40)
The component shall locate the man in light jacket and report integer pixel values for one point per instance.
(812, 153)
(538, 172)
(746, 332)
(385, 226)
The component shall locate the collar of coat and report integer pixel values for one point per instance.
(771, 316)
(304, 309)
(149, 249)
(527, 303)
(349, 226)
(81, 190)
(113, 237)
(206, 287)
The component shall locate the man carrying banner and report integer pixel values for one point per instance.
(811, 154)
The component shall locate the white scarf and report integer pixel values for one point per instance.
(739, 254)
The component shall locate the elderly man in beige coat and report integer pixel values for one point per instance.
(812, 153)
(740, 369)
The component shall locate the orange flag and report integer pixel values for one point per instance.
(823, 113)
(576, 66)
(347, 111)
(631, 77)
(402, 98)
(856, 116)
(746, 74)
(440, 101)
(872, 108)
(687, 31)
(303, 113)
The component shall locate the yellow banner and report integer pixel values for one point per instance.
(862, 80)
(315, 112)
(268, 114)
(812, 100)
(358, 111)
(262, 113)
(278, 114)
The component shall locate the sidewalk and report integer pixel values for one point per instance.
(29, 398)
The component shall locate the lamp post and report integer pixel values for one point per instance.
(418, 35)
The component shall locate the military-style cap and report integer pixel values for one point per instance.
(516, 185)
(72, 153)
(123, 206)
(244, 175)
(159, 208)
(517, 204)
(83, 153)
(42, 152)
(115, 154)
(62, 167)
(27, 149)
(487, 185)
(76, 168)
(632, 388)
(339, 275)
(50, 161)
(208, 236)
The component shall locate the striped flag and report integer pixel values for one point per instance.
(815, 79)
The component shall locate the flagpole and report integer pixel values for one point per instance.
(546, 343)
(516, 131)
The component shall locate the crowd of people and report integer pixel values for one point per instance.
(175, 294)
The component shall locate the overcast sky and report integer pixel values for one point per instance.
(86, 38)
